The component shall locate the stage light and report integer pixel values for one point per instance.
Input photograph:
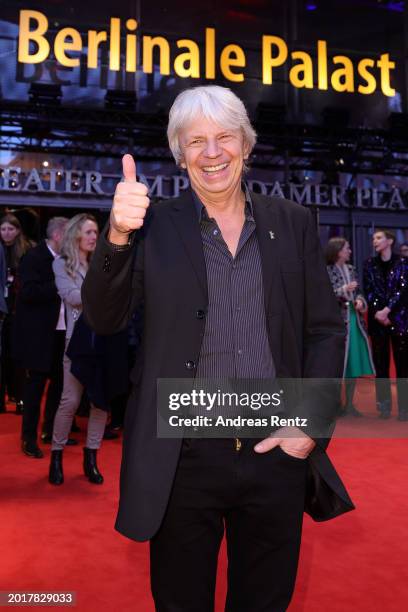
(43, 93)
(45, 163)
(124, 100)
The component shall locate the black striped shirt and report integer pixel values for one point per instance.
(235, 343)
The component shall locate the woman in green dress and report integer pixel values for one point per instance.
(358, 360)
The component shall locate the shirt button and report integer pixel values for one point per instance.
(200, 314)
(215, 232)
(239, 351)
(190, 365)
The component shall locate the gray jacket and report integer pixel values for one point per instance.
(69, 289)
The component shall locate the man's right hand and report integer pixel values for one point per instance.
(130, 204)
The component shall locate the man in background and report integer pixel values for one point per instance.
(404, 249)
(386, 291)
(40, 336)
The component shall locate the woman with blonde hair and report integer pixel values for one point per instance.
(70, 270)
(15, 246)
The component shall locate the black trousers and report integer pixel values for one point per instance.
(12, 378)
(33, 391)
(258, 500)
(381, 357)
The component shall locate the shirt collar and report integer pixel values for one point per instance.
(202, 211)
(53, 253)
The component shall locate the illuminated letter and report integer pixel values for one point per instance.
(25, 36)
(209, 53)
(114, 51)
(268, 60)
(342, 79)
(322, 64)
(33, 179)
(395, 199)
(305, 68)
(148, 45)
(232, 55)
(385, 65)
(61, 45)
(191, 57)
(94, 39)
(131, 56)
(367, 76)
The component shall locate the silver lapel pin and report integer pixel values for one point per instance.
(271, 235)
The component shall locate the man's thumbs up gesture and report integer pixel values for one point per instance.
(130, 203)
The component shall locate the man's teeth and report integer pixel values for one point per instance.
(215, 168)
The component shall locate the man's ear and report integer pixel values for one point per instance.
(246, 151)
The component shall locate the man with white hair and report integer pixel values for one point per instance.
(39, 336)
(233, 286)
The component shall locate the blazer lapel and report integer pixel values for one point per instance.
(268, 239)
(268, 233)
(184, 216)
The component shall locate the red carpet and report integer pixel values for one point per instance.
(62, 539)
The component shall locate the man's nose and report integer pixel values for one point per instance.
(212, 148)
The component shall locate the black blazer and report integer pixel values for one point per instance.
(37, 310)
(165, 272)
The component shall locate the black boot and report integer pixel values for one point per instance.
(90, 467)
(19, 407)
(56, 475)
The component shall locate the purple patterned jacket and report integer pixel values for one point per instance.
(392, 292)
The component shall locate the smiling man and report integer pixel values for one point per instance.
(233, 286)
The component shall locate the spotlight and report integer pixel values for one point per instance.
(124, 100)
(42, 93)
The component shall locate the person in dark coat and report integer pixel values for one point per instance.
(386, 291)
(233, 286)
(39, 335)
(15, 245)
(100, 363)
(3, 304)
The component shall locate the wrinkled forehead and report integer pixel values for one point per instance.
(201, 126)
